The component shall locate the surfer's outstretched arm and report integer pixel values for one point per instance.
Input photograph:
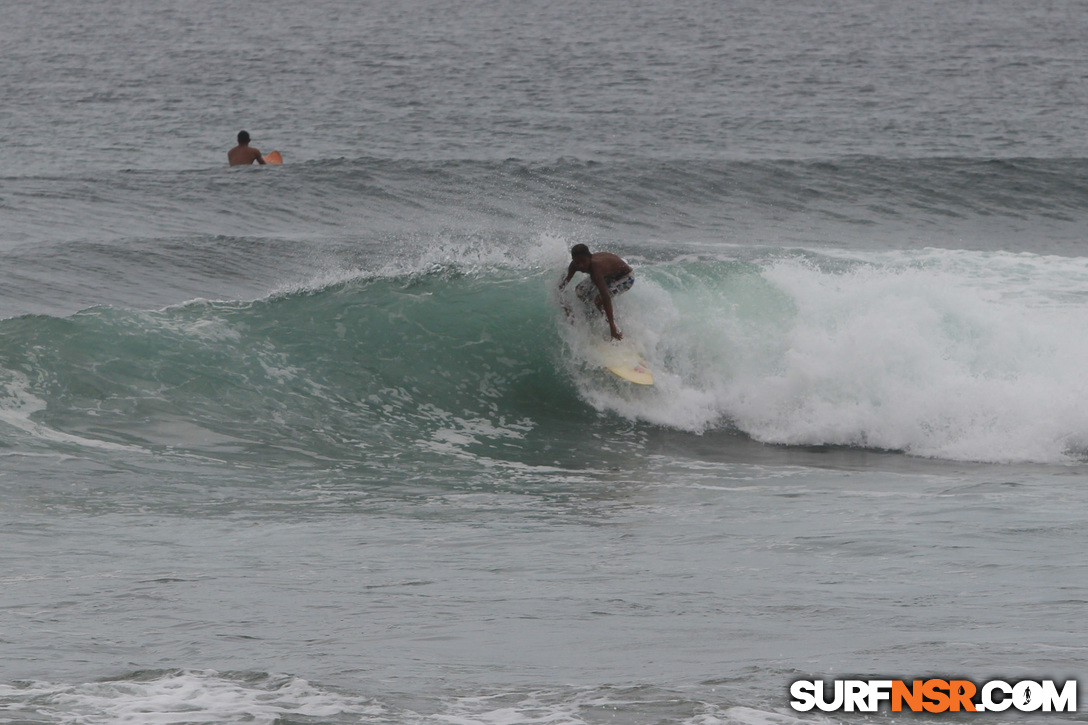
(563, 283)
(570, 273)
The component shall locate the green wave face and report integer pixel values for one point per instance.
(362, 371)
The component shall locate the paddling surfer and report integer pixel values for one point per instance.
(609, 276)
(243, 154)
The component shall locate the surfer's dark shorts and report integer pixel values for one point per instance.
(586, 290)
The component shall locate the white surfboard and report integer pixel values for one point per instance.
(624, 362)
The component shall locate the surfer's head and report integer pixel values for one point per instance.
(580, 257)
(243, 137)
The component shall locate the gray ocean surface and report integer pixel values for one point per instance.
(314, 444)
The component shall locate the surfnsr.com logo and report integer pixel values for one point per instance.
(933, 695)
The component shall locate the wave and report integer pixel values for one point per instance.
(365, 370)
(955, 355)
(1035, 204)
(186, 696)
(179, 697)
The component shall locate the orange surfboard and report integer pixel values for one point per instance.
(273, 158)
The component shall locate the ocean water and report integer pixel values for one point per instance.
(314, 444)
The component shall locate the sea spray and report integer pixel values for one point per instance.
(955, 355)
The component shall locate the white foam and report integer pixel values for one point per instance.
(178, 698)
(18, 405)
(210, 329)
(188, 697)
(954, 355)
(461, 433)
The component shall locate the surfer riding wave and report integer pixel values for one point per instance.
(609, 275)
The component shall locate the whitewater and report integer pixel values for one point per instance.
(316, 444)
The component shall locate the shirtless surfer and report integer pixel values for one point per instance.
(243, 154)
(609, 276)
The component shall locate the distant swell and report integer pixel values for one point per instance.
(740, 198)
